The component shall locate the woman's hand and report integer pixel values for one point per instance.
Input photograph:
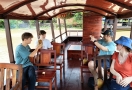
(118, 78)
(125, 81)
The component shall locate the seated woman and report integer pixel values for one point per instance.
(121, 66)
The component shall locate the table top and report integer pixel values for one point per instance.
(75, 47)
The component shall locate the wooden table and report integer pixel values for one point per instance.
(74, 52)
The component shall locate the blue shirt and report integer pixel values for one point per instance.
(111, 46)
(46, 44)
(22, 55)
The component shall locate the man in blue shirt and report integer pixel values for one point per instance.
(106, 46)
(22, 54)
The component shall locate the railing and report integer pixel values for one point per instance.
(78, 32)
(70, 33)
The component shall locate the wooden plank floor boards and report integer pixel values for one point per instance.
(72, 80)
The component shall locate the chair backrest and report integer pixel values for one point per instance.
(59, 47)
(32, 59)
(45, 57)
(88, 51)
(10, 76)
(105, 59)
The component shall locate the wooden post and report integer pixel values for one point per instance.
(88, 22)
(65, 27)
(114, 28)
(37, 27)
(131, 32)
(9, 40)
(52, 30)
(60, 29)
(105, 24)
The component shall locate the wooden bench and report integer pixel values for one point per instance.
(59, 48)
(12, 74)
(46, 74)
(87, 52)
(103, 58)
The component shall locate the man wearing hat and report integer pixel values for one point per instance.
(106, 46)
(121, 66)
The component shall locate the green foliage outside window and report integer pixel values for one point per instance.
(78, 19)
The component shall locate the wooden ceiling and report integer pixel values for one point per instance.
(47, 9)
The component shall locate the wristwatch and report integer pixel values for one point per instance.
(95, 41)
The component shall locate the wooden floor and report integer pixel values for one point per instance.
(71, 78)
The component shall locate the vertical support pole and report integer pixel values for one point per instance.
(60, 29)
(114, 28)
(9, 40)
(52, 30)
(128, 22)
(37, 27)
(65, 27)
(105, 24)
(131, 32)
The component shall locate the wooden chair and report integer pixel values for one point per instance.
(103, 58)
(46, 74)
(59, 48)
(88, 52)
(10, 76)
(33, 59)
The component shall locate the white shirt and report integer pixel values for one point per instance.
(46, 44)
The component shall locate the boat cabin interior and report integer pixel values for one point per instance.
(65, 66)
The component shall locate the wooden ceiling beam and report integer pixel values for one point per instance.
(0, 15)
(125, 15)
(120, 4)
(66, 5)
(68, 10)
(109, 17)
(14, 7)
(19, 17)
